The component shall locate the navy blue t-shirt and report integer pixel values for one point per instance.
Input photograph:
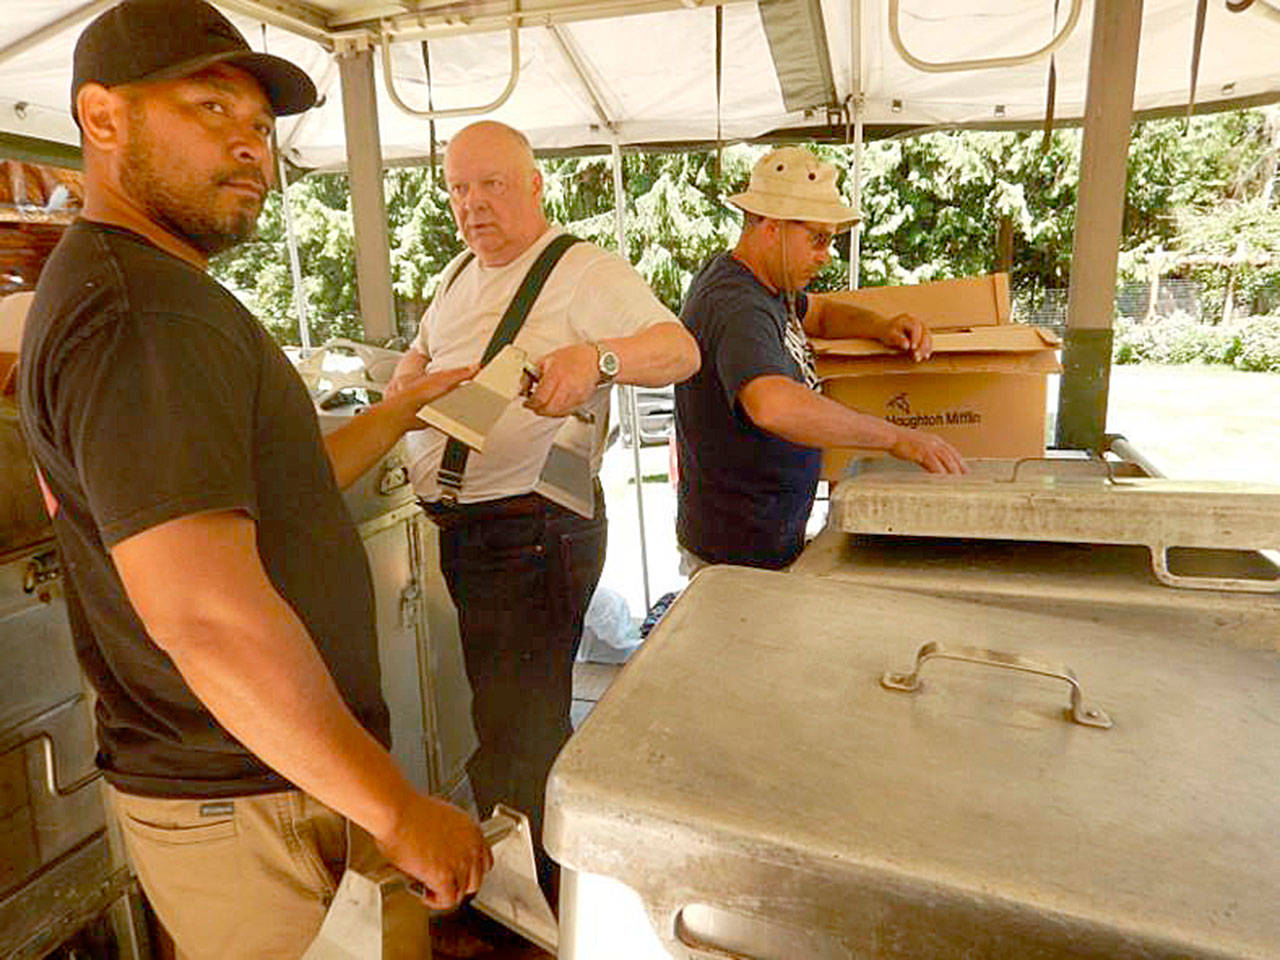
(745, 494)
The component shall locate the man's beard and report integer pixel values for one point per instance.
(181, 207)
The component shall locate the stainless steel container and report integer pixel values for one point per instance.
(1069, 501)
(749, 786)
(1096, 582)
(423, 674)
(57, 868)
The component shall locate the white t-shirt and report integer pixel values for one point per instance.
(591, 295)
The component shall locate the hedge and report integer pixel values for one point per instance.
(1248, 344)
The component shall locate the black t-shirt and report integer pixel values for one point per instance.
(745, 494)
(149, 393)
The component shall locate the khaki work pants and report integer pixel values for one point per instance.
(243, 878)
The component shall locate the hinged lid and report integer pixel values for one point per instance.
(1017, 500)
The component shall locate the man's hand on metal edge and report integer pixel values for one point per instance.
(441, 846)
(928, 451)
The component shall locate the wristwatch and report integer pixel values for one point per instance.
(607, 365)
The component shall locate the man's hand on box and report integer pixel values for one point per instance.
(566, 379)
(908, 334)
(928, 451)
(415, 390)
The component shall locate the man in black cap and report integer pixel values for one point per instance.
(221, 599)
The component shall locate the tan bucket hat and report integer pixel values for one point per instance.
(790, 183)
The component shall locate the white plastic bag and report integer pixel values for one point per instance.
(608, 633)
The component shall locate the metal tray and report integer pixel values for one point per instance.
(750, 762)
(1068, 501)
(1089, 582)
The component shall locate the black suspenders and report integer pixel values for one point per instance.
(454, 463)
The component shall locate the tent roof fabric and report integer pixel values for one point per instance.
(646, 72)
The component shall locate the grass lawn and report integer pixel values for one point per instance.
(1200, 422)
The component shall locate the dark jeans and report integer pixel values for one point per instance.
(521, 572)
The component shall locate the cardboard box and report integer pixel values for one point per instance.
(984, 388)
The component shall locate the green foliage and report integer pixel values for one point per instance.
(1202, 201)
(933, 206)
(1259, 345)
(1251, 344)
(260, 271)
(674, 218)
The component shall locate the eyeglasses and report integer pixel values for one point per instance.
(818, 239)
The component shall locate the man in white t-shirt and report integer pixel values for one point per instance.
(521, 569)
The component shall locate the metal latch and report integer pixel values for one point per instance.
(41, 570)
(394, 476)
(410, 605)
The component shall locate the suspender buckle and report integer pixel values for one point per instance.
(450, 483)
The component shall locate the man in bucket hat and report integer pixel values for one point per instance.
(750, 425)
(220, 595)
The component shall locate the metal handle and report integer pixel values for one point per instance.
(987, 63)
(1160, 566)
(1107, 469)
(513, 33)
(726, 933)
(497, 828)
(1082, 713)
(704, 949)
(49, 754)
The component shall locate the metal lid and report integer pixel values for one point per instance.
(749, 756)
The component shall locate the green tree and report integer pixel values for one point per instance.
(932, 207)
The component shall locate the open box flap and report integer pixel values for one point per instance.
(943, 304)
(1015, 348)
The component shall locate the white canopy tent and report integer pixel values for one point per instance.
(596, 72)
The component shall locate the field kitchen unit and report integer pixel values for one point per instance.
(1019, 737)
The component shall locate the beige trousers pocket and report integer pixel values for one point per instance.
(231, 878)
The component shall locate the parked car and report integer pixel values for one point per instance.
(657, 409)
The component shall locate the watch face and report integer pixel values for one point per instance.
(608, 364)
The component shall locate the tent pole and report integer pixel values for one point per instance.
(630, 406)
(295, 262)
(632, 411)
(368, 203)
(1086, 354)
(855, 232)
(857, 97)
(291, 237)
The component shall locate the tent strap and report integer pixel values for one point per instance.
(431, 122)
(1051, 95)
(1202, 7)
(719, 79)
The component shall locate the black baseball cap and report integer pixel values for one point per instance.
(144, 40)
